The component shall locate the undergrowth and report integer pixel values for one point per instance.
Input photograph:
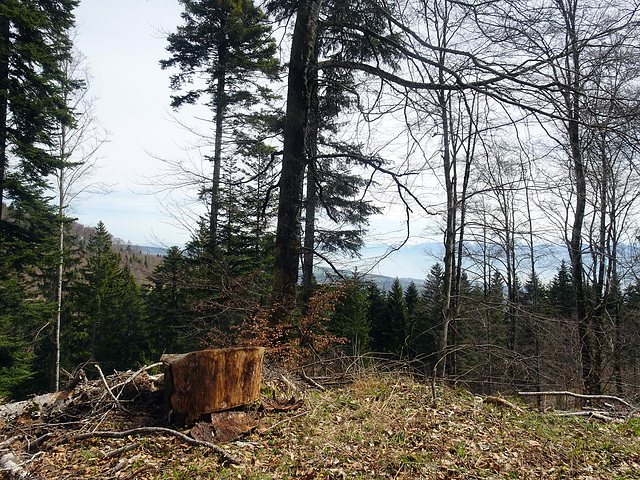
(389, 427)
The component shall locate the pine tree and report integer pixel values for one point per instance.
(377, 318)
(33, 43)
(561, 291)
(168, 305)
(108, 316)
(223, 49)
(349, 319)
(397, 317)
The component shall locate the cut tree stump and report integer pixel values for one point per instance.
(212, 381)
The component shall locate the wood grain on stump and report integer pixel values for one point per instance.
(212, 380)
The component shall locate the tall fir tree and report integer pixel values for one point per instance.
(561, 291)
(107, 314)
(168, 305)
(397, 318)
(223, 50)
(350, 319)
(34, 42)
(376, 314)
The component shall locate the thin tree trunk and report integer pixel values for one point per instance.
(61, 206)
(309, 236)
(311, 193)
(572, 93)
(4, 106)
(217, 152)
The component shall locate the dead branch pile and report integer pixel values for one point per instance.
(128, 407)
(90, 409)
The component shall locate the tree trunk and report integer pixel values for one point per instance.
(287, 248)
(311, 194)
(61, 207)
(4, 105)
(589, 375)
(220, 104)
(309, 236)
(212, 380)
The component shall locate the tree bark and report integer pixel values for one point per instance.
(572, 93)
(287, 248)
(4, 105)
(311, 192)
(212, 380)
(220, 104)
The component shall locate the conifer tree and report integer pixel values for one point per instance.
(33, 43)
(349, 319)
(168, 304)
(223, 49)
(561, 291)
(376, 314)
(108, 316)
(397, 315)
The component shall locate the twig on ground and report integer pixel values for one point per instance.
(281, 422)
(589, 413)
(311, 381)
(31, 446)
(121, 450)
(501, 402)
(161, 430)
(9, 441)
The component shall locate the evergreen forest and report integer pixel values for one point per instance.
(510, 125)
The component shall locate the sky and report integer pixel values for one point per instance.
(122, 42)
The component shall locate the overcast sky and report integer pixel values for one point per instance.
(123, 43)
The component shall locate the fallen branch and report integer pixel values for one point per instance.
(281, 422)
(589, 413)
(311, 381)
(579, 395)
(121, 450)
(106, 385)
(161, 430)
(31, 446)
(132, 377)
(9, 441)
(501, 402)
(9, 465)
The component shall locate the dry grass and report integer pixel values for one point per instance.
(380, 427)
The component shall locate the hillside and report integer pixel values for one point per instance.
(379, 427)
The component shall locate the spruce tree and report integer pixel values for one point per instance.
(349, 319)
(377, 318)
(397, 314)
(561, 291)
(168, 305)
(223, 51)
(33, 44)
(107, 314)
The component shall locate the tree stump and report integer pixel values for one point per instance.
(212, 380)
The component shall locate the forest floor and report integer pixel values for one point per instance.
(378, 427)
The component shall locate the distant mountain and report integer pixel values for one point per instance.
(153, 250)
(411, 263)
(324, 275)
